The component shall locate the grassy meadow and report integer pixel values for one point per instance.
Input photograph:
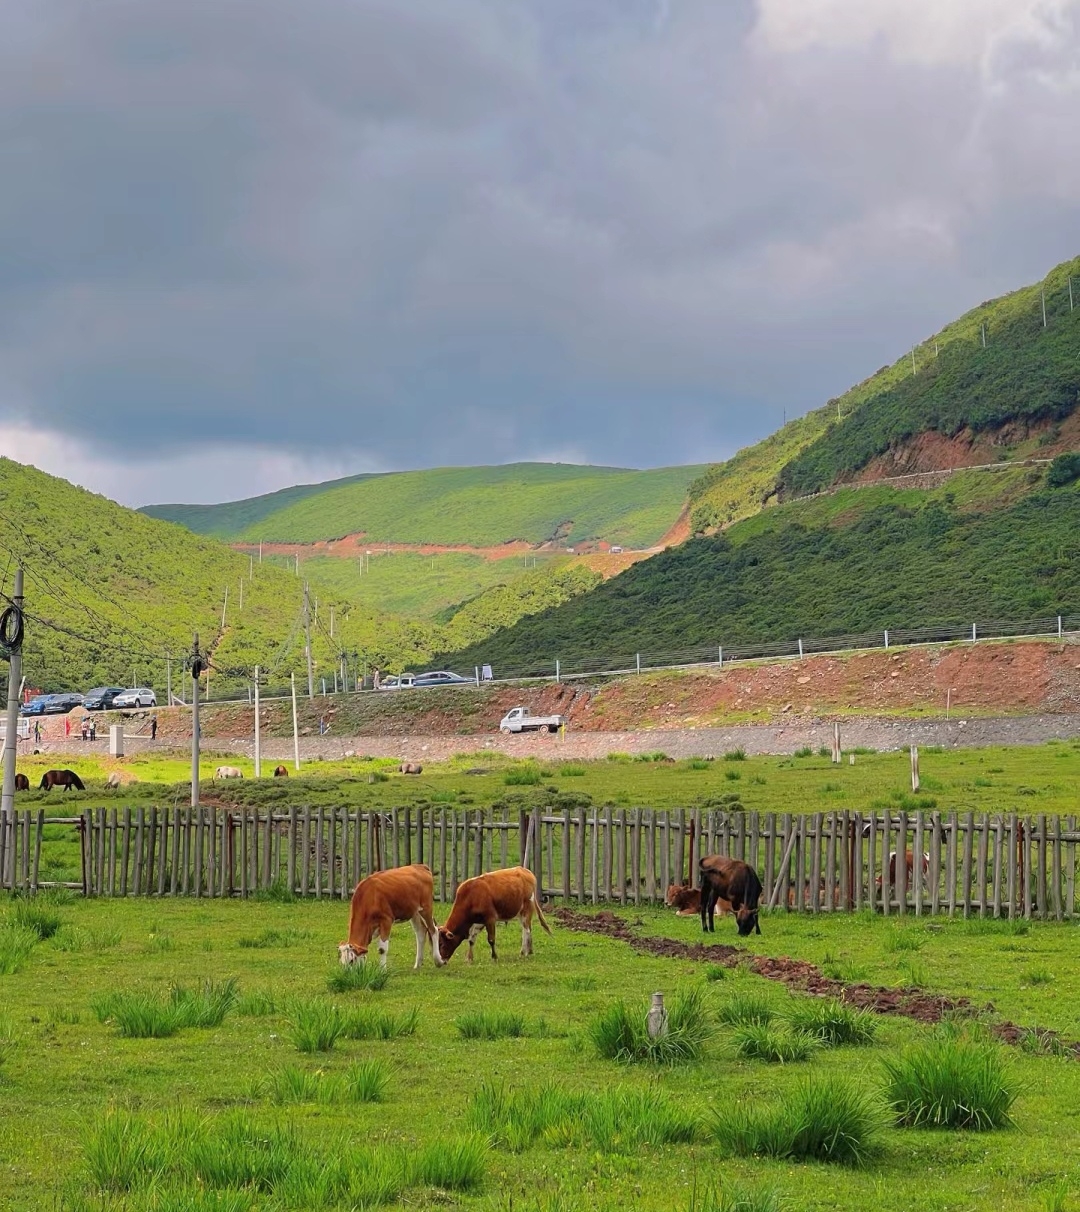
(486, 1088)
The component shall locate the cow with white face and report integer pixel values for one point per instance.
(403, 894)
(485, 900)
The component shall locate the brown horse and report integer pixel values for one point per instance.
(281, 772)
(733, 881)
(22, 783)
(60, 778)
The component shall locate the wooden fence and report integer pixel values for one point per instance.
(974, 864)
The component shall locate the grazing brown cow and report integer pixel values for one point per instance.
(228, 772)
(909, 863)
(736, 882)
(487, 899)
(113, 781)
(411, 768)
(281, 772)
(686, 901)
(22, 783)
(402, 894)
(61, 778)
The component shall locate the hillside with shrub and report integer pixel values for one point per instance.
(533, 503)
(984, 546)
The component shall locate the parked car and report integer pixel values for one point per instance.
(402, 682)
(440, 677)
(101, 698)
(34, 706)
(140, 696)
(61, 704)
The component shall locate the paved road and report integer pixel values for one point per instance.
(782, 738)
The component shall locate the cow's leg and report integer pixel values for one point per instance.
(473, 932)
(490, 926)
(384, 944)
(705, 888)
(421, 933)
(713, 897)
(432, 932)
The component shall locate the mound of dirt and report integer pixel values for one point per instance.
(910, 1003)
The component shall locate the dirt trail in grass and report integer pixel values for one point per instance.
(910, 1003)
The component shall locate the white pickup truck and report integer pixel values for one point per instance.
(519, 720)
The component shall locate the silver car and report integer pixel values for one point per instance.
(140, 696)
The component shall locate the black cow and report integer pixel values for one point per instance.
(732, 880)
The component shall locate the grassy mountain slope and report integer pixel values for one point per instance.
(859, 561)
(474, 506)
(225, 521)
(1025, 374)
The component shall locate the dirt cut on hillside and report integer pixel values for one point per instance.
(805, 977)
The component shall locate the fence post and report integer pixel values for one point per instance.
(1059, 626)
(556, 669)
(886, 639)
(915, 768)
(800, 647)
(973, 633)
(720, 653)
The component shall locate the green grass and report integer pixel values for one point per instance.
(315, 1026)
(832, 1023)
(479, 506)
(370, 1022)
(745, 1008)
(356, 977)
(951, 1082)
(491, 1024)
(755, 1041)
(620, 1033)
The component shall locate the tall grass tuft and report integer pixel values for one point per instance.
(292, 1085)
(122, 1152)
(366, 1082)
(456, 1164)
(831, 1022)
(315, 1026)
(528, 774)
(8, 1040)
(490, 1024)
(735, 755)
(734, 1197)
(746, 1008)
(620, 1033)
(259, 1003)
(42, 919)
(16, 943)
(273, 938)
(367, 1022)
(827, 1119)
(205, 1007)
(355, 977)
(753, 1041)
(951, 1082)
(138, 1014)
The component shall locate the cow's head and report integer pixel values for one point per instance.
(747, 921)
(681, 896)
(449, 942)
(348, 954)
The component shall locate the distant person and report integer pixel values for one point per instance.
(376, 679)
(67, 725)
(84, 728)
(37, 732)
(153, 727)
(93, 730)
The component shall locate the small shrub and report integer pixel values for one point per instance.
(831, 1022)
(528, 774)
(16, 943)
(572, 771)
(1064, 470)
(452, 1165)
(744, 1009)
(755, 1042)
(950, 1082)
(352, 978)
(827, 1119)
(366, 1082)
(735, 755)
(41, 919)
(315, 1026)
(490, 1024)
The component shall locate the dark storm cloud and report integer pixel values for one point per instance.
(420, 233)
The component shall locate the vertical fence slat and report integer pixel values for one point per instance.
(901, 863)
(999, 829)
(1040, 886)
(980, 862)
(35, 867)
(951, 862)
(1055, 871)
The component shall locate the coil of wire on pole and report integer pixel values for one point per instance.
(12, 630)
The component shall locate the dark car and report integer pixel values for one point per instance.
(440, 677)
(35, 706)
(101, 697)
(61, 704)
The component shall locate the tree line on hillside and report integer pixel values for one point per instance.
(889, 567)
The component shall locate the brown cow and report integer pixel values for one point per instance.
(686, 901)
(402, 894)
(734, 881)
(411, 768)
(281, 772)
(487, 899)
(22, 783)
(909, 863)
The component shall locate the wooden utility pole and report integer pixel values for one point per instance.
(258, 748)
(196, 672)
(914, 768)
(295, 729)
(307, 643)
(13, 642)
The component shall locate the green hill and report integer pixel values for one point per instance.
(1025, 375)
(855, 562)
(468, 506)
(112, 593)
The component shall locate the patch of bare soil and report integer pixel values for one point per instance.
(911, 1003)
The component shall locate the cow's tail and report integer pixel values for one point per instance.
(79, 784)
(540, 912)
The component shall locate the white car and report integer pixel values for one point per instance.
(140, 696)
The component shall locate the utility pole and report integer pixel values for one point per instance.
(297, 572)
(13, 627)
(196, 672)
(1043, 294)
(307, 643)
(260, 551)
(258, 747)
(331, 620)
(241, 606)
(295, 729)
(168, 679)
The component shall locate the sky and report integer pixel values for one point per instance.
(249, 243)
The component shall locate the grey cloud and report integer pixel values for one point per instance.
(428, 233)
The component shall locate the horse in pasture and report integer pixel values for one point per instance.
(61, 778)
